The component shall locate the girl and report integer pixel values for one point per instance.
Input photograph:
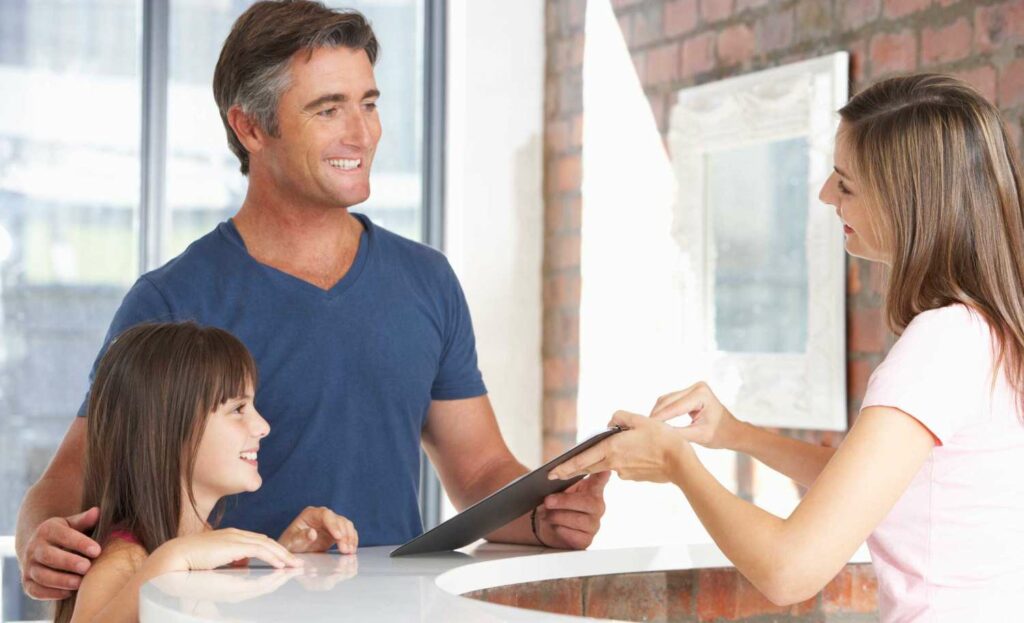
(927, 182)
(171, 430)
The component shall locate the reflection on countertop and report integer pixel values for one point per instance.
(372, 586)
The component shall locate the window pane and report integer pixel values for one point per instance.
(204, 185)
(69, 190)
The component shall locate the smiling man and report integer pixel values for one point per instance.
(363, 339)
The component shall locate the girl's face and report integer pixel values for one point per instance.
(226, 459)
(843, 191)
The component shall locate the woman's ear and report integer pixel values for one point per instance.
(249, 133)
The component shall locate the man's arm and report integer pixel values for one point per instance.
(48, 537)
(465, 445)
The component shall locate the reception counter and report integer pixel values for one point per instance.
(370, 586)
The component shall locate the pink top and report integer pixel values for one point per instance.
(124, 535)
(952, 549)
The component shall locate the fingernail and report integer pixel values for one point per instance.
(82, 567)
(93, 551)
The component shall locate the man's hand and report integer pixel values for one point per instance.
(316, 529)
(570, 519)
(50, 565)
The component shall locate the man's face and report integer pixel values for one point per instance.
(328, 129)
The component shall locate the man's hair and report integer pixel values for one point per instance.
(253, 69)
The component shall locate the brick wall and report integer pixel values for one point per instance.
(681, 43)
(691, 596)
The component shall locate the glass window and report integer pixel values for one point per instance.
(70, 193)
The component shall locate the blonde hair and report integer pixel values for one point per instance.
(944, 182)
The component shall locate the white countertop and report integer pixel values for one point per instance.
(371, 586)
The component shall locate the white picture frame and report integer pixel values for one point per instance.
(797, 390)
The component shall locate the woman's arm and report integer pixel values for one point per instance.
(714, 426)
(789, 560)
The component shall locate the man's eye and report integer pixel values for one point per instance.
(327, 112)
(370, 105)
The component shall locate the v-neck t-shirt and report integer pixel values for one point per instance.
(346, 375)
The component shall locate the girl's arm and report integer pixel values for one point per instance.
(714, 426)
(110, 590)
(789, 560)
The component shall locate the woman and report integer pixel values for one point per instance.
(931, 473)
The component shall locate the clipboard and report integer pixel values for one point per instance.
(499, 508)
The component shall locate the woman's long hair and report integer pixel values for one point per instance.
(150, 398)
(944, 181)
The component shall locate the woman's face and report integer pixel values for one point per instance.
(226, 462)
(843, 191)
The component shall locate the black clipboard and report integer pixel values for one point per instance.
(499, 508)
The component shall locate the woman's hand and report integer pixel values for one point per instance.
(648, 450)
(712, 426)
(216, 548)
(316, 529)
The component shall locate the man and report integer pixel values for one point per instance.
(363, 339)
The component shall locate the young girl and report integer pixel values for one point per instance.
(171, 430)
(926, 181)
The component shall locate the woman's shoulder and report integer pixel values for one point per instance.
(121, 553)
(955, 324)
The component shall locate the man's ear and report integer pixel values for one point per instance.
(249, 133)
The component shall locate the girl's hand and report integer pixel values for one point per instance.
(648, 450)
(316, 529)
(712, 425)
(216, 548)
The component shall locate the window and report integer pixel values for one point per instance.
(72, 218)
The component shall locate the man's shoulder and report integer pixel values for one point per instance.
(410, 254)
(203, 259)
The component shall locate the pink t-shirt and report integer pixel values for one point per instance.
(952, 549)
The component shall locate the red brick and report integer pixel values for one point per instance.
(716, 594)
(567, 174)
(560, 415)
(858, 371)
(626, 26)
(662, 65)
(698, 55)
(736, 45)
(715, 10)
(866, 332)
(640, 64)
(857, 13)
(647, 25)
(743, 5)
(895, 9)
(854, 590)
(853, 275)
(576, 137)
(561, 373)
(893, 53)
(561, 333)
(577, 13)
(946, 43)
(562, 290)
(814, 20)
(998, 24)
(562, 214)
(555, 445)
(570, 92)
(562, 251)
(981, 78)
(658, 110)
(556, 136)
(858, 62)
(1011, 84)
(680, 17)
(774, 31)
(618, 4)
(557, 596)
(633, 597)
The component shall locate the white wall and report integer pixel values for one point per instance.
(494, 203)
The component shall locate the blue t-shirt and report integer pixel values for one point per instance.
(346, 374)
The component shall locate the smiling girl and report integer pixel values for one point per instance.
(927, 182)
(171, 430)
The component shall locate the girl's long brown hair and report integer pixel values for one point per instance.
(944, 179)
(148, 406)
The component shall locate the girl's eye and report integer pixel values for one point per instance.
(843, 189)
(239, 409)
